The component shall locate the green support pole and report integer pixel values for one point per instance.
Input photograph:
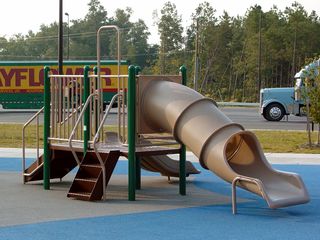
(182, 155)
(46, 130)
(86, 122)
(132, 134)
(138, 161)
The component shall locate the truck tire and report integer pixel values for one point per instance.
(274, 112)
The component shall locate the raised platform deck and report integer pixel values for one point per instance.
(107, 147)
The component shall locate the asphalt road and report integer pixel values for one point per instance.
(249, 117)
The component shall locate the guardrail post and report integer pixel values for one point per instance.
(138, 160)
(86, 121)
(132, 134)
(46, 130)
(182, 154)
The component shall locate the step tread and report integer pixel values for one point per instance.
(91, 165)
(79, 194)
(89, 179)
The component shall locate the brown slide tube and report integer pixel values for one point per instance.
(222, 146)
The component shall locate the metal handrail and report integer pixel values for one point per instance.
(77, 123)
(34, 170)
(109, 76)
(99, 76)
(70, 115)
(24, 143)
(96, 137)
(234, 193)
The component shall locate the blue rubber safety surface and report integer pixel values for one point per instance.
(255, 221)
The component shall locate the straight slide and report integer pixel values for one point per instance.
(222, 146)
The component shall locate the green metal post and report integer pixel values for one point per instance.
(132, 133)
(46, 130)
(86, 121)
(138, 161)
(182, 155)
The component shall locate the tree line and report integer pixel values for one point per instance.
(230, 58)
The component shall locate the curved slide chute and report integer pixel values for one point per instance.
(166, 165)
(222, 146)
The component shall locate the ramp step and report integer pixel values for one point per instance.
(79, 195)
(86, 179)
(91, 165)
(88, 182)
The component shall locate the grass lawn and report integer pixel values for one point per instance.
(271, 141)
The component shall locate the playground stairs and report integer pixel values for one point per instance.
(88, 182)
(61, 163)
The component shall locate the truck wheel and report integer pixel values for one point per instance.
(273, 112)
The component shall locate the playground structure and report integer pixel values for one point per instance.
(157, 115)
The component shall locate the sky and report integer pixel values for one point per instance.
(20, 16)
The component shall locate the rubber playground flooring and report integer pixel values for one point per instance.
(29, 212)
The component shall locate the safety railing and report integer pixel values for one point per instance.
(66, 103)
(68, 94)
(34, 117)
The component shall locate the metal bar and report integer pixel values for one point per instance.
(59, 93)
(132, 133)
(31, 173)
(76, 126)
(72, 103)
(24, 141)
(68, 109)
(158, 144)
(38, 141)
(67, 76)
(156, 137)
(182, 170)
(100, 90)
(46, 130)
(64, 107)
(94, 87)
(123, 112)
(56, 114)
(52, 106)
(137, 159)
(86, 126)
(182, 155)
(99, 61)
(111, 76)
(104, 180)
(64, 140)
(95, 139)
(60, 37)
(234, 190)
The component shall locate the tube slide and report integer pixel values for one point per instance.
(222, 146)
